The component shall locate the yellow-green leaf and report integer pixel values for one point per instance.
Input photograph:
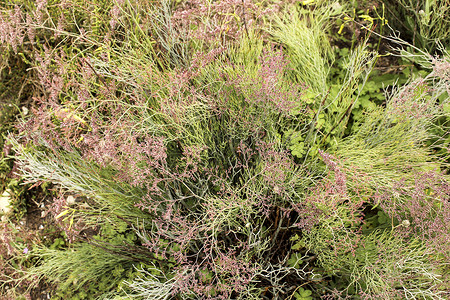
(62, 214)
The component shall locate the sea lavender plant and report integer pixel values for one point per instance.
(161, 167)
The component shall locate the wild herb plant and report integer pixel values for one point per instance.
(184, 149)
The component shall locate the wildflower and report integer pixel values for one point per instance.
(25, 251)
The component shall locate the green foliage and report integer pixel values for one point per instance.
(18, 198)
(331, 111)
(12, 70)
(303, 32)
(303, 294)
(295, 260)
(424, 22)
(237, 173)
(363, 266)
(83, 271)
(95, 181)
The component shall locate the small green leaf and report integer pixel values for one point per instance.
(305, 293)
(294, 261)
(296, 246)
(294, 238)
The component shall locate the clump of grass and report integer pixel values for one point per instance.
(303, 32)
(84, 269)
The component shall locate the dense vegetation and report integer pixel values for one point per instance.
(228, 149)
